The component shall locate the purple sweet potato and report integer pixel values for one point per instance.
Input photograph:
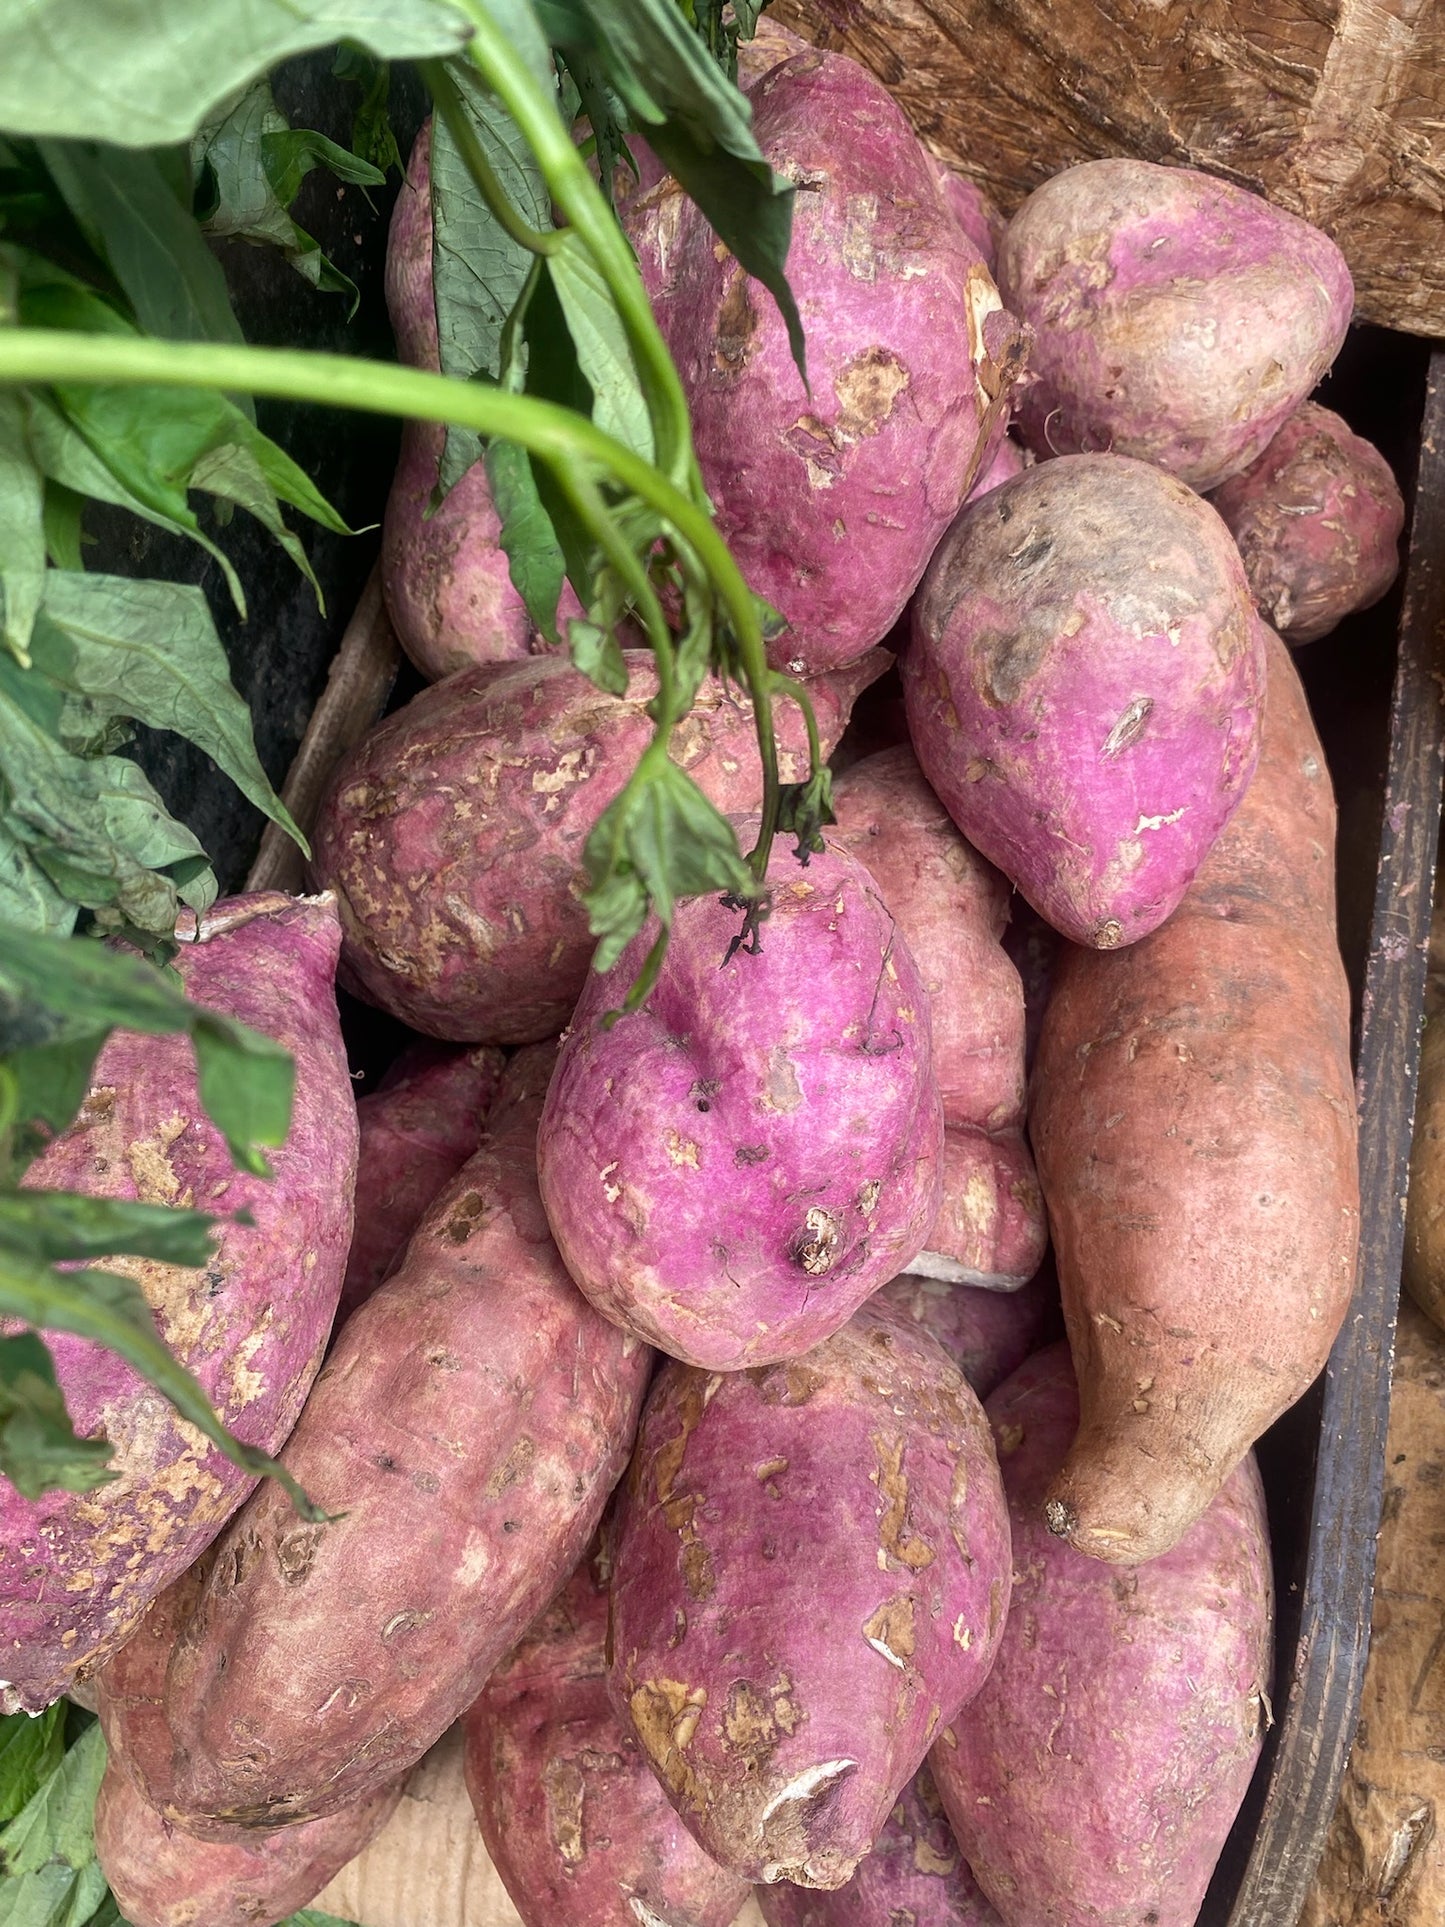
(1176, 317)
(453, 833)
(1008, 460)
(731, 1172)
(573, 1817)
(988, 1334)
(1083, 686)
(811, 1573)
(1094, 1779)
(974, 211)
(471, 1420)
(832, 504)
(914, 1877)
(78, 1570)
(418, 1128)
(1317, 518)
(952, 908)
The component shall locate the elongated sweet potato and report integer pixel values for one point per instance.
(1176, 317)
(418, 1128)
(78, 1570)
(453, 833)
(573, 1817)
(1193, 1116)
(731, 1172)
(1317, 518)
(810, 1577)
(470, 1422)
(1083, 688)
(988, 1334)
(1093, 1780)
(952, 908)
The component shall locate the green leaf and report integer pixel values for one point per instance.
(55, 1827)
(555, 374)
(30, 1751)
(127, 208)
(63, 1227)
(371, 130)
(598, 654)
(146, 73)
(605, 116)
(529, 541)
(22, 529)
(805, 810)
(312, 1917)
(618, 403)
(64, 534)
(51, 1081)
(39, 1451)
(149, 650)
(246, 1087)
(27, 896)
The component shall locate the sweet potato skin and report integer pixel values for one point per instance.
(730, 1172)
(417, 1129)
(1193, 1116)
(988, 1334)
(1176, 317)
(488, 787)
(1317, 517)
(78, 1570)
(470, 1422)
(810, 1577)
(1083, 687)
(1094, 1779)
(573, 1817)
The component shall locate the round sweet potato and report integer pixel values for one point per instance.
(453, 833)
(810, 1578)
(1094, 1778)
(1317, 518)
(573, 1817)
(1083, 688)
(731, 1172)
(1175, 317)
(78, 1569)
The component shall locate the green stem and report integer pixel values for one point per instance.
(592, 511)
(787, 686)
(449, 105)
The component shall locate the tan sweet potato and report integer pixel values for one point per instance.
(469, 1424)
(1193, 1117)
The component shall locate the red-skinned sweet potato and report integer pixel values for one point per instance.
(1094, 1779)
(418, 1128)
(453, 833)
(573, 1817)
(78, 1570)
(731, 1171)
(810, 1577)
(1083, 688)
(988, 1334)
(1193, 1116)
(469, 1424)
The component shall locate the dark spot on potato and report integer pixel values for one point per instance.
(737, 323)
(789, 1383)
(295, 1552)
(469, 1211)
(384, 1462)
(511, 1525)
(750, 1154)
(703, 1105)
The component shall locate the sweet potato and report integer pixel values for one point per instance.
(78, 1570)
(914, 1877)
(1008, 460)
(974, 211)
(833, 503)
(418, 1128)
(1094, 1779)
(573, 1816)
(952, 908)
(1193, 1116)
(988, 1334)
(810, 1577)
(453, 833)
(470, 1422)
(1317, 518)
(1083, 688)
(1176, 317)
(731, 1172)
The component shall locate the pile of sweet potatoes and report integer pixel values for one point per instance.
(810, 1447)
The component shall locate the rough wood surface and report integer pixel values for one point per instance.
(1335, 109)
(1384, 1860)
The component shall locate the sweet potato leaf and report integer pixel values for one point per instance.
(62, 1227)
(22, 529)
(53, 1835)
(618, 403)
(30, 1751)
(27, 896)
(529, 541)
(39, 1449)
(372, 135)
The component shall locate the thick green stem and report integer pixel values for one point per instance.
(591, 510)
(786, 686)
(449, 105)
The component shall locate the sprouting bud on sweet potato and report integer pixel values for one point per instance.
(471, 1420)
(1083, 688)
(78, 1569)
(1176, 317)
(731, 1171)
(1317, 518)
(988, 1334)
(453, 833)
(1094, 1779)
(1193, 1116)
(952, 908)
(832, 502)
(810, 1577)
(418, 1128)
(572, 1815)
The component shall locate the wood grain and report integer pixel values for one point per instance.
(1334, 109)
